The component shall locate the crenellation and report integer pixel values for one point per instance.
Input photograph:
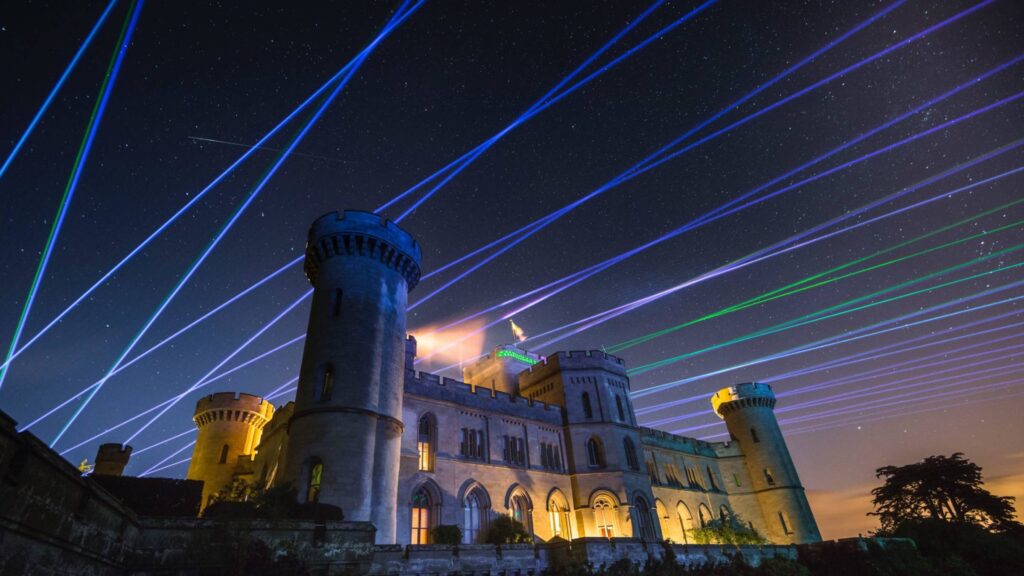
(552, 441)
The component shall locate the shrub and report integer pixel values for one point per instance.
(446, 534)
(505, 530)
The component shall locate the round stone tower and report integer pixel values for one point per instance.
(748, 411)
(344, 438)
(230, 426)
(111, 459)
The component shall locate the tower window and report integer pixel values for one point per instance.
(711, 478)
(337, 302)
(631, 459)
(786, 528)
(618, 404)
(224, 454)
(316, 473)
(753, 434)
(587, 410)
(768, 477)
(327, 386)
(595, 454)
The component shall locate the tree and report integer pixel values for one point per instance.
(941, 488)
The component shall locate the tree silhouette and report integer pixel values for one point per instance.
(940, 488)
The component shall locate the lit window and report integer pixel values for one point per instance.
(425, 443)
(421, 517)
(316, 472)
(603, 518)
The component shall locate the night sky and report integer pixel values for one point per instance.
(450, 77)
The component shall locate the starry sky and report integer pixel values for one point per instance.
(201, 81)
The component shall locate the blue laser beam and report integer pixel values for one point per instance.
(152, 409)
(839, 339)
(238, 212)
(549, 100)
(649, 163)
(398, 19)
(56, 88)
(76, 173)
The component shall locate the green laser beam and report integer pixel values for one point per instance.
(811, 318)
(790, 289)
(62, 207)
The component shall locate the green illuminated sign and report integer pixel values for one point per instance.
(517, 356)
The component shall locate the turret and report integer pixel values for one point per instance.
(230, 426)
(111, 459)
(748, 411)
(345, 435)
(499, 370)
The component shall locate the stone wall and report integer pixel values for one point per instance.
(52, 520)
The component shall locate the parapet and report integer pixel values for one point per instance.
(573, 360)
(427, 385)
(233, 406)
(742, 395)
(358, 233)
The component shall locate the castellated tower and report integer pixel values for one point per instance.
(230, 426)
(111, 459)
(345, 435)
(748, 411)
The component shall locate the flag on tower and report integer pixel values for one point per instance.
(517, 332)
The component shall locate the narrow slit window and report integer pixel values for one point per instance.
(337, 302)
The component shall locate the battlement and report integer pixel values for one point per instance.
(233, 406)
(572, 360)
(742, 395)
(358, 233)
(429, 385)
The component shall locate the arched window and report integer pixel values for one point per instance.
(595, 453)
(224, 454)
(704, 514)
(519, 510)
(604, 517)
(664, 520)
(643, 518)
(558, 516)
(631, 459)
(587, 410)
(711, 478)
(426, 441)
(474, 512)
(422, 519)
(618, 404)
(723, 513)
(314, 480)
(685, 520)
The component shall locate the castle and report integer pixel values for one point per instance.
(551, 441)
